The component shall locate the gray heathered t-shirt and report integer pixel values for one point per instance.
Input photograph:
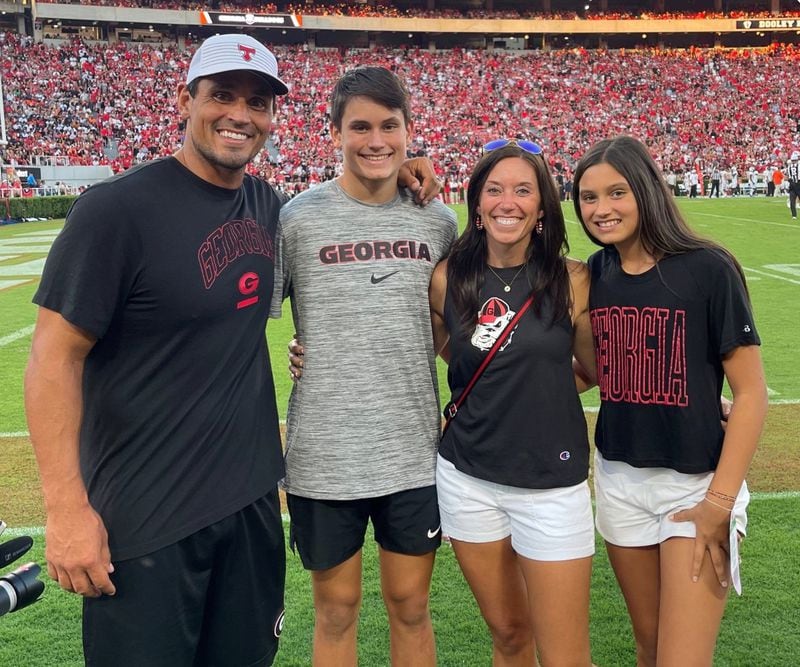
(364, 419)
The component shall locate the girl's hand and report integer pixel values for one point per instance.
(712, 524)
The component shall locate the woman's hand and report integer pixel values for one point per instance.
(712, 523)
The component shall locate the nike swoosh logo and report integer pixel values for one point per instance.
(375, 280)
(433, 533)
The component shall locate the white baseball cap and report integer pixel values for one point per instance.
(795, 156)
(230, 53)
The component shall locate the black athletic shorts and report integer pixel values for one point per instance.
(328, 532)
(213, 598)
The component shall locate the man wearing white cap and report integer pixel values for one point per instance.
(149, 393)
(792, 174)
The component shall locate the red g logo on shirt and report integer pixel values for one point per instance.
(248, 284)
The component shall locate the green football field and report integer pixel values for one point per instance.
(762, 628)
(759, 231)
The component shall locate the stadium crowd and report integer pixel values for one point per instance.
(92, 104)
(340, 8)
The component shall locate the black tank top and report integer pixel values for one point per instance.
(522, 424)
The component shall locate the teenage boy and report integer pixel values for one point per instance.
(363, 425)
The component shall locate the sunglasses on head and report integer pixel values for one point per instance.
(528, 146)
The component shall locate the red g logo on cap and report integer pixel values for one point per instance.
(493, 309)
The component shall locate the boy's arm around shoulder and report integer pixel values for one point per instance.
(583, 362)
(436, 296)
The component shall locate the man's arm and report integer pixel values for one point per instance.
(418, 175)
(436, 296)
(76, 540)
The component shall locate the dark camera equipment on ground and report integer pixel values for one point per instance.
(21, 587)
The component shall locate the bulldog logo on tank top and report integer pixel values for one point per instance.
(493, 317)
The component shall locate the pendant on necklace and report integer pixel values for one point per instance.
(507, 288)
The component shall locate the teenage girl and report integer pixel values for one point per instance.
(671, 319)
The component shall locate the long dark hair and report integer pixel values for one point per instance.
(546, 255)
(663, 231)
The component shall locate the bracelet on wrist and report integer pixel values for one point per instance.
(722, 507)
(721, 496)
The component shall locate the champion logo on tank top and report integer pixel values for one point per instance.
(229, 242)
(646, 347)
(493, 317)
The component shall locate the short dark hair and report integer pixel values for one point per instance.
(377, 83)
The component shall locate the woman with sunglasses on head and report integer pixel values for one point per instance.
(671, 319)
(513, 460)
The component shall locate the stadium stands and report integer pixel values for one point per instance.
(89, 104)
(340, 8)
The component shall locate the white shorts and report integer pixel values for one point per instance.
(634, 504)
(544, 524)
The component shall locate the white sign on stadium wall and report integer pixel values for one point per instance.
(768, 24)
(270, 20)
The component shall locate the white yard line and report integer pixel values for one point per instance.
(790, 225)
(771, 275)
(775, 495)
(749, 220)
(38, 531)
(20, 333)
(591, 409)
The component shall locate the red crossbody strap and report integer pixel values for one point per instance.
(452, 409)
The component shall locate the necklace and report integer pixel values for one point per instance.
(507, 287)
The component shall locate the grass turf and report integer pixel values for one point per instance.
(761, 628)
